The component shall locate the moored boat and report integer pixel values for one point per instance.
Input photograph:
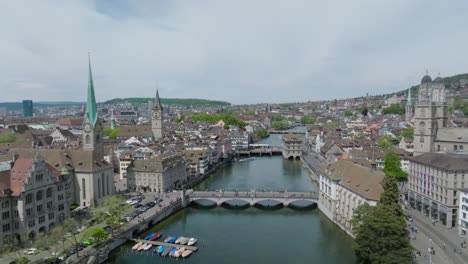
(161, 250)
(156, 236)
(179, 240)
(174, 238)
(148, 246)
(192, 241)
(140, 248)
(168, 239)
(165, 252)
(184, 241)
(137, 245)
(173, 250)
(147, 237)
(186, 253)
(156, 249)
(179, 252)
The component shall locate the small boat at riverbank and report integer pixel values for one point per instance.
(147, 237)
(179, 240)
(140, 248)
(137, 245)
(156, 236)
(161, 249)
(186, 253)
(184, 241)
(168, 239)
(173, 250)
(173, 240)
(148, 246)
(165, 252)
(192, 241)
(179, 252)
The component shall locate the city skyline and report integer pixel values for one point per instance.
(240, 53)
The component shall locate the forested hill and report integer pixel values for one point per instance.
(169, 101)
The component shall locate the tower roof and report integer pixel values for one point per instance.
(157, 101)
(408, 101)
(426, 79)
(91, 107)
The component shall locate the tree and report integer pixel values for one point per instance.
(111, 211)
(96, 234)
(331, 124)
(385, 142)
(395, 109)
(308, 120)
(408, 132)
(46, 242)
(347, 113)
(69, 228)
(8, 138)
(261, 132)
(111, 133)
(179, 118)
(364, 111)
(392, 166)
(280, 125)
(277, 117)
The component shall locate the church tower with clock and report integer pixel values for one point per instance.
(157, 118)
(92, 127)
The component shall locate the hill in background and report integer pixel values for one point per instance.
(169, 101)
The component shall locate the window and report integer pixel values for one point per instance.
(83, 188)
(60, 197)
(29, 198)
(49, 192)
(454, 147)
(87, 139)
(41, 219)
(60, 187)
(461, 147)
(6, 228)
(31, 223)
(39, 208)
(60, 207)
(29, 212)
(5, 215)
(39, 196)
(39, 177)
(438, 147)
(49, 205)
(51, 216)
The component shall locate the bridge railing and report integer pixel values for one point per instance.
(255, 194)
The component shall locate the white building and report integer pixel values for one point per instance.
(463, 212)
(344, 186)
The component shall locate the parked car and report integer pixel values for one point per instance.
(137, 205)
(132, 201)
(108, 229)
(30, 251)
(150, 204)
(142, 209)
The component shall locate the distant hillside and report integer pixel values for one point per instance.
(169, 101)
(451, 82)
(19, 105)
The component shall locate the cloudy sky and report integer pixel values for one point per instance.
(243, 51)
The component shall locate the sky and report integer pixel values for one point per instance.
(243, 51)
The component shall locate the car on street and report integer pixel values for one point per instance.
(142, 209)
(30, 251)
(150, 204)
(137, 205)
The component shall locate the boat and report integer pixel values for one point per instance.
(165, 252)
(137, 245)
(167, 239)
(184, 241)
(148, 246)
(140, 248)
(156, 249)
(147, 237)
(179, 240)
(186, 253)
(161, 250)
(173, 250)
(156, 236)
(173, 239)
(192, 241)
(179, 252)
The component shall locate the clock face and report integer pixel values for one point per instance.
(87, 128)
(156, 114)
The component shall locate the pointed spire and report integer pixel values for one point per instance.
(91, 108)
(112, 121)
(157, 101)
(408, 101)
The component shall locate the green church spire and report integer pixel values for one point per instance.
(408, 102)
(91, 107)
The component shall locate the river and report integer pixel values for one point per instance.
(254, 235)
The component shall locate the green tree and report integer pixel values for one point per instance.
(308, 120)
(179, 118)
(385, 142)
(347, 113)
(111, 133)
(395, 109)
(408, 132)
(280, 125)
(46, 242)
(112, 211)
(261, 132)
(68, 228)
(8, 138)
(392, 166)
(331, 124)
(96, 234)
(277, 117)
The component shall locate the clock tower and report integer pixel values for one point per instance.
(92, 127)
(157, 118)
(425, 123)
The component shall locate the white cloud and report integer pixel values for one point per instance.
(239, 51)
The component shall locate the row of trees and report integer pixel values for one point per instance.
(380, 231)
(227, 118)
(394, 109)
(308, 120)
(262, 132)
(280, 125)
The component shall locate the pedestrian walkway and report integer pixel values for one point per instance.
(444, 238)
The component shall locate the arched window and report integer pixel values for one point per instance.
(87, 139)
(49, 192)
(83, 188)
(29, 198)
(461, 147)
(454, 147)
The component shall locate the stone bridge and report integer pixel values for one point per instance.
(253, 197)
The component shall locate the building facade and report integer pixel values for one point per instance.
(463, 212)
(27, 108)
(157, 118)
(434, 182)
(292, 146)
(344, 185)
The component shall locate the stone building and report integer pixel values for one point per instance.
(34, 197)
(463, 212)
(157, 118)
(344, 185)
(292, 146)
(162, 173)
(433, 184)
(431, 133)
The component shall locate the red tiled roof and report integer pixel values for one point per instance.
(19, 174)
